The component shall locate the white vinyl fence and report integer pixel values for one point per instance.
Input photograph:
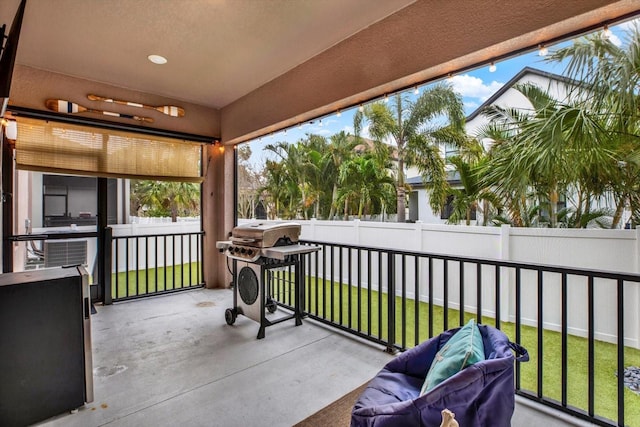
(605, 250)
(155, 252)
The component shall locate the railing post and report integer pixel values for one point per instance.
(506, 309)
(105, 279)
(636, 321)
(391, 303)
(312, 229)
(417, 235)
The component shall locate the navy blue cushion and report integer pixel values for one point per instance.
(480, 395)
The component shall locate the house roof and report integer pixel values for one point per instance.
(515, 79)
(453, 178)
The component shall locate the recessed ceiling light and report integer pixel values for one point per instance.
(157, 59)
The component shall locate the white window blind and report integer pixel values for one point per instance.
(49, 146)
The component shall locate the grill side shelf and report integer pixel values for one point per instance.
(281, 252)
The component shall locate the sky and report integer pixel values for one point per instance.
(475, 87)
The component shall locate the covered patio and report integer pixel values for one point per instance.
(244, 70)
(247, 69)
(172, 360)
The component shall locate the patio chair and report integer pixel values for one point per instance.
(481, 394)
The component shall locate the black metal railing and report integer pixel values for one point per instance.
(572, 321)
(147, 265)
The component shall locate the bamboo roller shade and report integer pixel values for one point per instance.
(48, 146)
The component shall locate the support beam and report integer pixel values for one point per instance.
(408, 48)
(7, 204)
(218, 207)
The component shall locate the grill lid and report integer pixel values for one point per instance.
(263, 235)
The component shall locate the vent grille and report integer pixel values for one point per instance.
(62, 252)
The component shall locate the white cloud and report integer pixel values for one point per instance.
(615, 40)
(471, 105)
(630, 25)
(348, 129)
(474, 87)
(364, 132)
(329, 122)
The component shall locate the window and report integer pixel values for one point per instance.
(447, 210)
(450, 151)
(70, 200)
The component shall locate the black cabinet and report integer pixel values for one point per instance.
(45, 344)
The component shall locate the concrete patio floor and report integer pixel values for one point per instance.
(172, 360)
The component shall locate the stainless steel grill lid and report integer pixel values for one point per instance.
(263, 235)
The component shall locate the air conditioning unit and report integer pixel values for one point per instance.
(65, 252)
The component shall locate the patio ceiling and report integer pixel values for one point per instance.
(247, 67)
(217, 51)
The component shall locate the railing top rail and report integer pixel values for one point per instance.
(135, 236)
(52, 236)
(632, 277)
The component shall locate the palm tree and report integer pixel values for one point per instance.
(340, 150)
(551, 148)
(168, 197)
(292, 157)
(249, 183)
(318, 165)
(608, 78)
(275, 187)
(362, 179)
(307, 165)
(467, 199)
(413, 128)
(511, 190)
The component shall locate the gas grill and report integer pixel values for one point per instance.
(251, 241)
(257, 249)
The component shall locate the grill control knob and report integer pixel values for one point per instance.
(243, 250)
(250, 252)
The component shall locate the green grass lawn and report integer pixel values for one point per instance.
(318, 302)
(155, 280)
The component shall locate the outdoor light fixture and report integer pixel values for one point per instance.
(157, 59)
(219, 145)
(606, 33)
(492, 67)
(386, 97)
(361, 108)
(542, 51)
(338, 113)
(10, 129)
(416, 90)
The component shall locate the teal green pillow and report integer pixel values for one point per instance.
(463, 349)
